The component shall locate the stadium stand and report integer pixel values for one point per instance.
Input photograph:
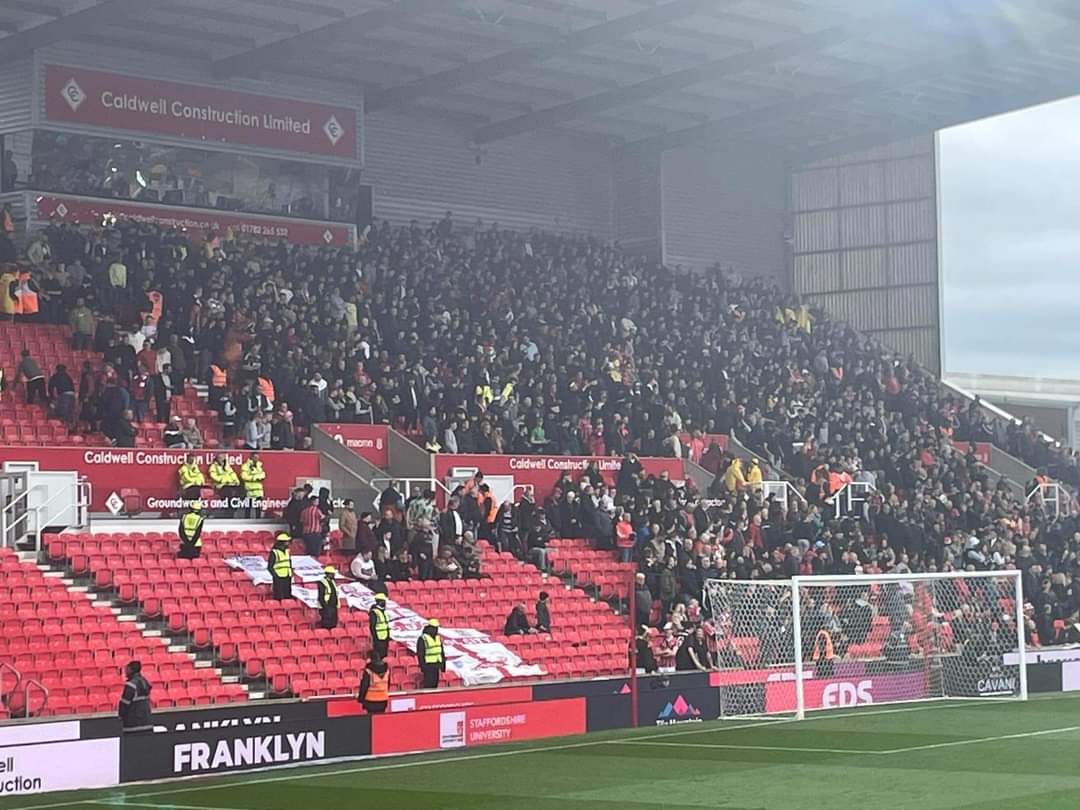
(75, 647)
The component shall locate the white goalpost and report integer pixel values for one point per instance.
(822, 642)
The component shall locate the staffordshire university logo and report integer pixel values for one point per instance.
(73, 94)
(334, 131)
(679, 710)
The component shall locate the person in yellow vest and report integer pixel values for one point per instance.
(253, 475)
(753, 475)
(328, 599)
(429, 654)
(7, 301)
(190, 531)
(280, 565)
(191, 478)
(823, 654)
(733, 476)
(379, 623)
(375, 686)
(226, 483)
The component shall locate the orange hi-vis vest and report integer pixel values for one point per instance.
(266, 388)
(379, 688)
(218, 377)
(26, 300)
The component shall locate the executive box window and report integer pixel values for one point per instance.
(142, 170)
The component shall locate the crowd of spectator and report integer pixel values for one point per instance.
(495, 341)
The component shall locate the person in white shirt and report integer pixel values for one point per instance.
(362, 568)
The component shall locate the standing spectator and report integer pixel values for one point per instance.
(81, 320)
(347, 525)
(693, 653)
(29, 372)
(282, 433)
(311, 524)
(134, 708)
(61, 393)
(643, 600)
(292, 512)
(126, 430)
(543, 613)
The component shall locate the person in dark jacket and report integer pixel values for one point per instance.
(517, 623)
(61, 392)
(292, 511)
(375, 686)
(134, 708)
(643, 651)
(543, 614)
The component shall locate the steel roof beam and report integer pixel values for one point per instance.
(280, 51)
(669, 82)
(528, 54)
(70, 26)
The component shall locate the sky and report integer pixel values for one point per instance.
(1009, 196)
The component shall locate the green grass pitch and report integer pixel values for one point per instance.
(981, 754)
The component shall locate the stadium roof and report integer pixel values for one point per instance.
(809, 77)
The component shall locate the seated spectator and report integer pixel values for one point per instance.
(173, 435)
(363, 570)
(446, 567)
(398, 567)
(193, 437)
(517, 623)
(470, 563)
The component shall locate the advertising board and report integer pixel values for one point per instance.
(237, 739)
(200, 113)
(69, 208)
(541, 472)
(442, 699)
(367, 441)
(67, 765)
(152, 471)
(830, 693)
(476, 725)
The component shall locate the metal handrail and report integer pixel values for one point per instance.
(9, 508)
(1053, 495)
(780, 489)
(434, 483)
(37, 511)
(847, 493)
(18, 677)
(26, 694)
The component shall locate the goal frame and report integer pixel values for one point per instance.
(795, 585)
(854, 579)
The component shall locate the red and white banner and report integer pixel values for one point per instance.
(982, 450)
(542, 472)
(367, 441)
(470, 654)
(207, 115)
(69, 208)
(152, 471)
(440, 699)
(476, 725)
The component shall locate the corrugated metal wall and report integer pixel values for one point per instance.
(726, 206)
(422, 164)
(16, 100)
(864, 231)
(638, 212)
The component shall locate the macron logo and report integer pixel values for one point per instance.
(73, 94)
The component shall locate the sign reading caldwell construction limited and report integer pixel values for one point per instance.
(209, 114)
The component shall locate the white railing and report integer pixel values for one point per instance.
(1053, 497)
(409, 486)
(780, 492)
(851, 497)
(15, 524)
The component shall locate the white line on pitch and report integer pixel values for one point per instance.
(1019, 736)
(744, 747)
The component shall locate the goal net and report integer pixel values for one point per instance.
(809, 643)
